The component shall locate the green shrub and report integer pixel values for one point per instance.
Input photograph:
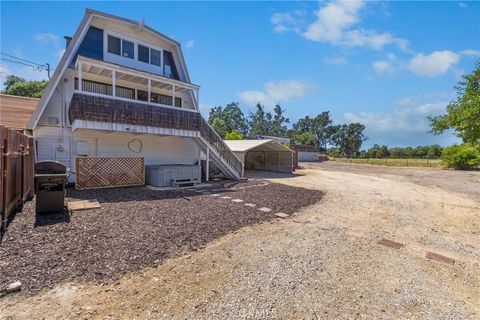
(234, 135)
(461, 156)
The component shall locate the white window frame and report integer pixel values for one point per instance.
(135, 42)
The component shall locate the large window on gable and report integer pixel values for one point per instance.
(169, 68)
(127, 49)
(143, 54)
(114, 45)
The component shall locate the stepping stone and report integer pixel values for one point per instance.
(226, 197)
(92, 204)
(83, 205)
(237, 200)
(265, 209)
(301, 221)
(390, 243)
(326, 226)
(356, 234)
(251, 205)
(281, 215)
(215, 195)
(439, 257)
(76, 205)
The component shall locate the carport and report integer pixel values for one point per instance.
(265, 155)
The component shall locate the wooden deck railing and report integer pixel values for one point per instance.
(110, 110)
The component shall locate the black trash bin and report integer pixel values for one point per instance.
(50, 179)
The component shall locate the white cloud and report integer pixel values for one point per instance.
(277, 92)
(47, 38)
(470, 53)
(387, 66)
(434, 64)
(190, 44)
(336, 61)
(407, 119)
(51, 40)
(462, 4)
(335, 25)
(288, 21)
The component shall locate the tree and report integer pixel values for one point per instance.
(461, 156)
(234, 135)
(17, 86)
(228, 119)
(463, 113)
(258, 121)
(11, 80)
(303, 138)
(263, 122)
(276, 127)
(320, 127)
(349, 138)
(434, 151)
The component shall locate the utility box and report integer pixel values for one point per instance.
(50, 178)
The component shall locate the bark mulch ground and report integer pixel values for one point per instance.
(135, 228)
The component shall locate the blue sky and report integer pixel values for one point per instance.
(385, 64)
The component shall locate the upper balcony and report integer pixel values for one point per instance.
(104, 79)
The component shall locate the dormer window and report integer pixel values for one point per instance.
(143, 54)
(155, 57)
(149, 55)
(120, 47)
(127, 49)
(114, 45)
(169, 68)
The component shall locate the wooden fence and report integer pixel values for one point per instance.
(16, 168)
(109, 172)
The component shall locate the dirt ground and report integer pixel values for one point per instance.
(331, 266)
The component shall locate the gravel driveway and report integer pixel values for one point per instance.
(324, 262)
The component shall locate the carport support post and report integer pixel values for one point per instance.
(207, 165)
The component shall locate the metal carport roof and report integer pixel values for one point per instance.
(260, 145)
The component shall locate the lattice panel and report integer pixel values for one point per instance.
(109, 172)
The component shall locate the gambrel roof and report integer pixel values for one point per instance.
(73, 47)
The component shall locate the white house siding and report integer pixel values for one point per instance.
(155, 149)
(50, 141)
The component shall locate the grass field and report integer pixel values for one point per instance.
(412, 162)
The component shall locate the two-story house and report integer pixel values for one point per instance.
(122, 89)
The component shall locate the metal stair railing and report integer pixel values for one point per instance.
(217, 143)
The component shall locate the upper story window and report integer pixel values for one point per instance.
(155, 57)
(149, 55)
(114, 45)
(127, 49)
(143, 54)
(169, 68)
(120, 47)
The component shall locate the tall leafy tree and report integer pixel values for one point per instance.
(18, 86)
(263, 122)
(320, 127)
(463, 113)
(349, 138)
(277, 127)
(258, 121)
(228, 119)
